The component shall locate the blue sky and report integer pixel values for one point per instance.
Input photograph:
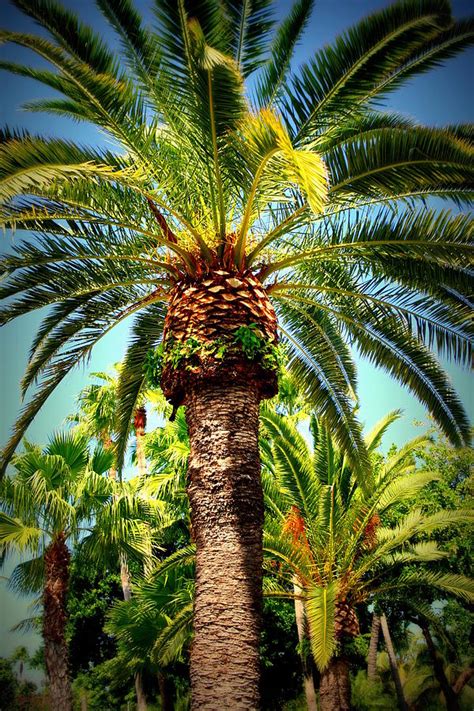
(442, 96)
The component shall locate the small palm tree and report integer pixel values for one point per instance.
(327, 533)
(45, 503)
(226, 217)
(97, 415)
(154, 627)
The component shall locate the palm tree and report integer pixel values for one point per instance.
(98, 415)
(44, 506)
(60, 497)
(155, 625)
(224, 216)
(327, 534)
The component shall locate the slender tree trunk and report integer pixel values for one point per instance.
(83, 701)
(127, 595)
(465, 676)
(166, 696)
(402, 704)
(227, 518)
(452, 703)
(374, 640)
(56, 654)
(126, 590)
(334, 688)
(308, 681)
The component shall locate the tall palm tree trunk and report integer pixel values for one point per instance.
(308, 681)
(334, 688)
(374, 640)
(227, 518)
(402, 704)
(56, 559)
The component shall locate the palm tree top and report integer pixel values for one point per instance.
(231, 164)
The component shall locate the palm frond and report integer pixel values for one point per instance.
(320, 606)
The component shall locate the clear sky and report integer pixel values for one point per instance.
(442, 96)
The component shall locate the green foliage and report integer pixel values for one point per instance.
(302, 179)
(90, 594)
(249, 340)
(193, 352)
(8, 684)
(281, 666)
(335, 535)
(367, 695)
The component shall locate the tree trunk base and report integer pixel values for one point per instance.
(334, 690)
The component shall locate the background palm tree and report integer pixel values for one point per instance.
(327, 532)
(224, 216)
(98, 416)
(45, 504)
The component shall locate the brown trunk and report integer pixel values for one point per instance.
(334, 688)
(140, 427)
(308, 681)
(141, 698)
(402, 704)
(438, 668)
(374, 640)
(166, 696)
(56, 655)
(465, 676)
(209, 367)
(83, 701)
(227, 518)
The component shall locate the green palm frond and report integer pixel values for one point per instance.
(458, 585)
(27, 577)
(292, 461)
(323, 378)
(249, 32)
(177, 633)
(374, 438)
(361, 64)
(276, 68)
(320, 605)
(311, 190)
(14, 534)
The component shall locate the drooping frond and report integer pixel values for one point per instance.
(320, 606)
(276, 69)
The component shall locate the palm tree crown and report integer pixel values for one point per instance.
(283, 199)
(333, 535)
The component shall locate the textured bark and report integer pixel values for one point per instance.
(402, 704)
(56, 655)
(227, 518)
(334, 688)
(211, 309)
(452, 703)
(374, 640)
(308, 681)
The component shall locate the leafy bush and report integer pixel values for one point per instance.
(368, 695)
